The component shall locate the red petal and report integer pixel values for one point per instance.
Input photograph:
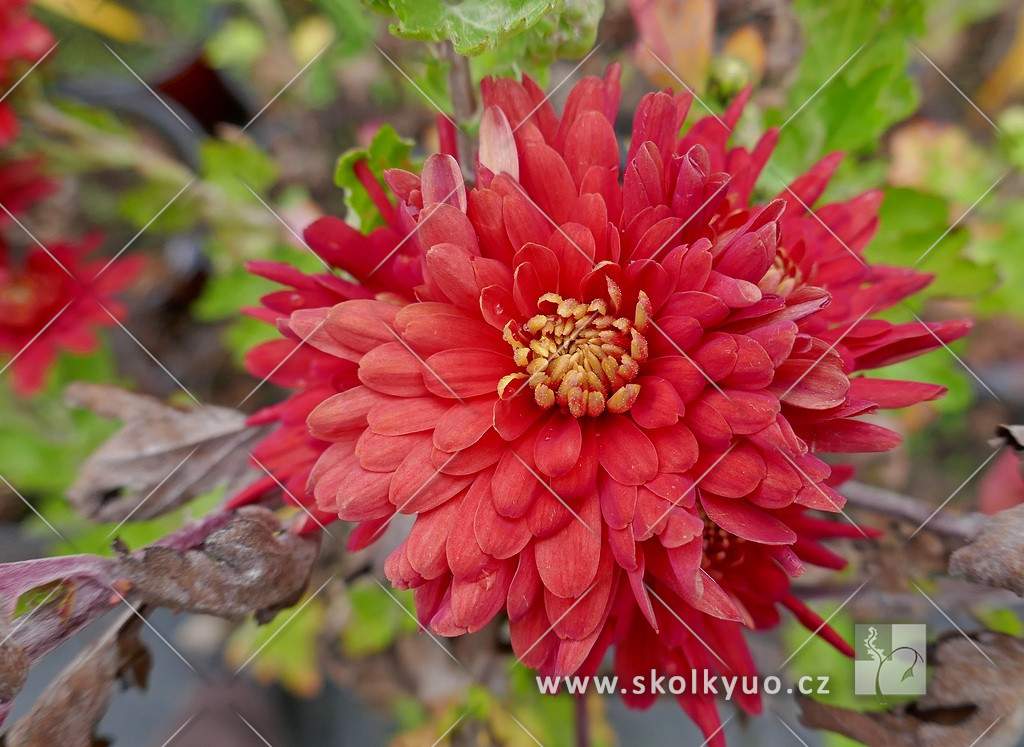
(746, 521)
(392, 369)
(466, 372)
(625, 452)
(567, 562)
(557, 449)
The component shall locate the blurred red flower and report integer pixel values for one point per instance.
(54, 301)
(22, 39)
(604, 402)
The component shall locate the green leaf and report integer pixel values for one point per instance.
(233, 165)
(912, 223)
(387, 150)
(471, 25)
(376, 619)
(871, 90)
(569, 32)
(284, 650)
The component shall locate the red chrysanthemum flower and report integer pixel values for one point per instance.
(386, 266)
(52, 302)
(22, 39)
(604, 405)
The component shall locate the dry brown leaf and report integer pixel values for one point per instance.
(250, 564)
(69, 710)
(162, 456)
(13, 667)
(966, 695)
(1009, 435)
(995, 554)
(680, 33)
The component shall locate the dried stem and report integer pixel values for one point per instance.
(460, 84)
(582, 722)
(910, 509)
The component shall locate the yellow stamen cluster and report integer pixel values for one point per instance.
(578, 356)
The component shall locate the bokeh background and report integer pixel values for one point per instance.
(196, 136)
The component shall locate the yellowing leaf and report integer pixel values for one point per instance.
(110, 19)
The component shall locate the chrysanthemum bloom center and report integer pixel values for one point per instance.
(578, 356)
(19, 302)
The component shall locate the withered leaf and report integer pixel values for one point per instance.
(69, 710)
(250, 564)
(995, 554)
(967, 695)
(13, 666)
(1009, 435)
(162, 457)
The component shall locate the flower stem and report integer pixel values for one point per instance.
(460, 83)
(582, 723)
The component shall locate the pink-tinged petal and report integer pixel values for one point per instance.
(309, 326)
(817, 383)
(403, 183)
(557, 449)
(425, 545)
(888, 393)
(681, 527)
(469, 461)
(737, 294)
(397, 416)
(524, 222)
(716, 356)
(654, 121)
(392, 369)
(358, 494)
(462, 425)
(776, 339)
(850, 436)
(644, 182)
(343, 413)
(533, 641)
(466, 372)
(362, 324)
(514, 487)
(548, 514)
(707, 309)
(575, 620)
(746, 412)
(443, 223)
(581, 480)
(488, 272)
(485, 213)
(749, 256)
(734, 474)
(476, 599)
(385, 453)
(525, 588)
(527, 287)
(625, 452)
(708, 425)
(514, 416)
(497, 144)
(676, 446)
(417, 486)
(746, 521)
(807, 188)
(497, 306)
(442, 182)
(591, 142)
(681, 373)
(546, 179)
(497, 536)
(429, 330)
(672, 334)
(658, 405)
(450, 268)
(574, 249)
(753, 369)
(618, 502)
(567, 562)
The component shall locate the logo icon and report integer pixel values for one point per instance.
(890, 660)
